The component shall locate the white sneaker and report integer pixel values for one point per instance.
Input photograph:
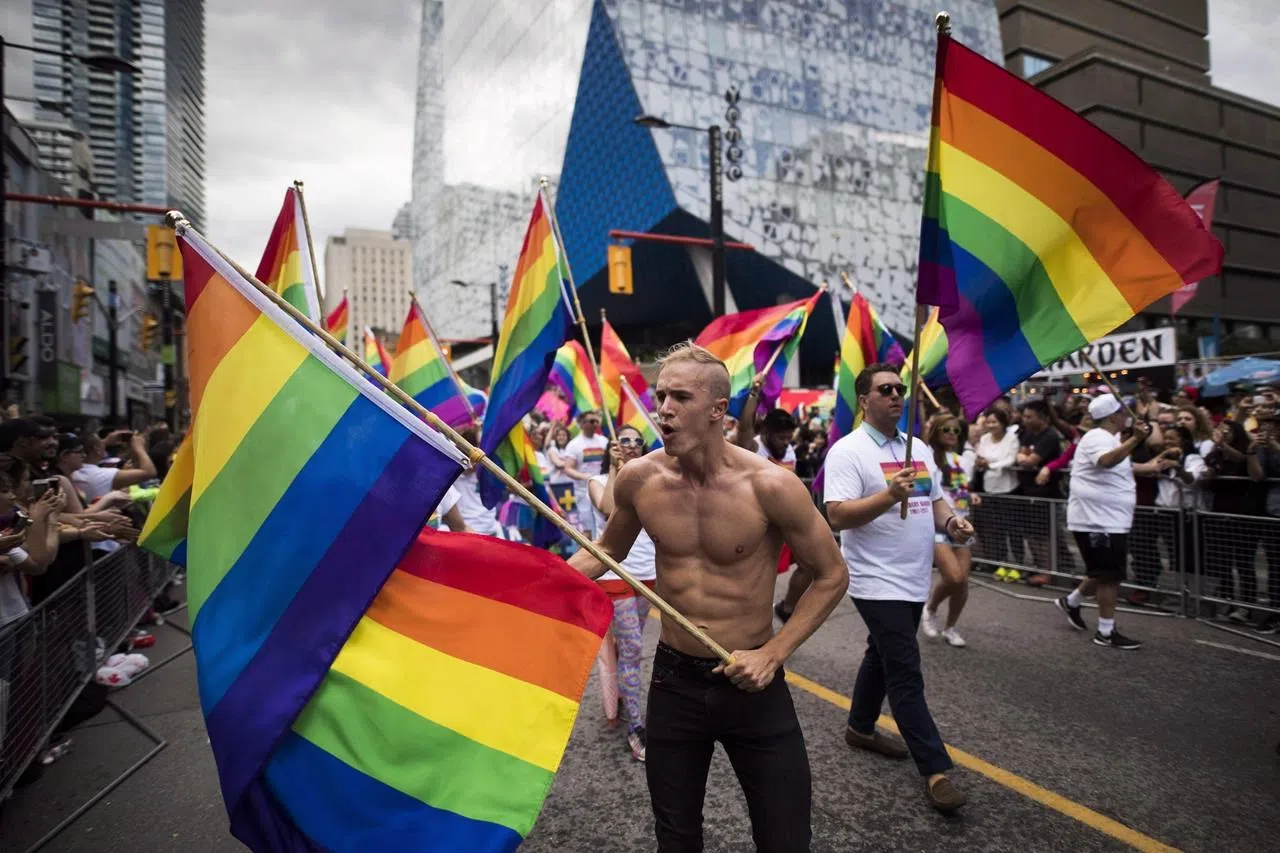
(952, 636)
(929, 624)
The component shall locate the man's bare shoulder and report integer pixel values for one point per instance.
(640, 471)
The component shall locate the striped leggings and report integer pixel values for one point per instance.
(628, 632)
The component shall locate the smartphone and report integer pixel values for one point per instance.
(39, 487)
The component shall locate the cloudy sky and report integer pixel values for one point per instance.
(323, 91)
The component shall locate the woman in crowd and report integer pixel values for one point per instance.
(1179, 487)
(1197, 421)
(997, 454)
(1223, 549)
(629, 609)
(944, 436)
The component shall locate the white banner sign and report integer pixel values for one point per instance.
(1128, 351)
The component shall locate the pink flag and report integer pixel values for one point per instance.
(1201, 199)
(553, 406)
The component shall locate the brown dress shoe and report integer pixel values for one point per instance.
(875, 742)
(944, 796)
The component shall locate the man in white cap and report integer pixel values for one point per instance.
(1100, 514)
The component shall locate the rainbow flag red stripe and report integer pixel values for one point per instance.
(1041, 233)
(745, 341)
(338, 320)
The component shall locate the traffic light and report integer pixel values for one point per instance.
(81, 297)
(620, 270)
(149, 327)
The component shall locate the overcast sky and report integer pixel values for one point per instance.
(323, 91)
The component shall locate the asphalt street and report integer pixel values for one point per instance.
(1062, 746)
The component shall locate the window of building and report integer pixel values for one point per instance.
(1026, 64)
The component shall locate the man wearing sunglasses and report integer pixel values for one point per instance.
(586, 452)
(890, 562)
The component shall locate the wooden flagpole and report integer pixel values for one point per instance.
(174, 219)
(1116, 391)
(311, 252)
(435, 342)
(594, 366)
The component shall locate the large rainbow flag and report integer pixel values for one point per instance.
(286, 261)
(362, 686)
(375, 354)
(422, 372)
(536, 323)
(572, 373)
(745, 341)
(1041, 233)
(339, 319)
(616, 367)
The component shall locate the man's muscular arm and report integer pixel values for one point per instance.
(786, 503)
(622, 528)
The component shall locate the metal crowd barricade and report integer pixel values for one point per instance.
(1030, 535)
(1238, 565)
(48, 656)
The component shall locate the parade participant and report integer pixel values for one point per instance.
(586, 456)
(629, 609)
(1100, 513)
(952, 558)
(890, 563)
(721, 576)
(447, 513)
(477, 517)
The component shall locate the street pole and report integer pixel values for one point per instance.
(717, 224)
(493, 314)
(4, 241)
(113, 354)
(167, 353)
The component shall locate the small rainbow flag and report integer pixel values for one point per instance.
(745, 341)
(865, 338)
(572, 374)
(277, 579)
(535, 325)
(375, 354)
(338, 320)
(1041, 233)
(616, 367)
(633, 413)
(286, 261)
(420, 369)
(478, 399)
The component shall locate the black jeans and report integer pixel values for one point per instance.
(690, 709)
(891, 667)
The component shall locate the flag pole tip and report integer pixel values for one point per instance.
(176, 220)
(943, 22)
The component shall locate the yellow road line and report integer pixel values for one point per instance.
(1012, 781)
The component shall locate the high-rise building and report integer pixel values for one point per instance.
(146, 131)
(831, 137)
(375, 271)
(1142, 72)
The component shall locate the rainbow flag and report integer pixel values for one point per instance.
(573, 375)
(535, 325)
(633, 413)
(1041, 233)
(615, 367)
(478, 399)
(375, 354)
(278, 420)
(286, 261)
(338, 320)
(933, 362)
(420, 369)
(745, 341)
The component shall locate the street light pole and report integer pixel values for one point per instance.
(113, 353)
(493, 314)
(717, 224)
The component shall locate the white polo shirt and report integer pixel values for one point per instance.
(890, 558)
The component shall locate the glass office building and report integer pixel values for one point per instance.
(834, 116)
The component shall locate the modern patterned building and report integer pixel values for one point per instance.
(835, 110)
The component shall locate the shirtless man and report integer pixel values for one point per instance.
(718, 516)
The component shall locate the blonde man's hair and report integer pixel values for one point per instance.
(718, 384)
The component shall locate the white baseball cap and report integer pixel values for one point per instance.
(1104, 407)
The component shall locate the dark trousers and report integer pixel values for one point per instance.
(891, 667)
(690, 710)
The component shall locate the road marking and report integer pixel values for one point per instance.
(1254, 652)
(1013, 782)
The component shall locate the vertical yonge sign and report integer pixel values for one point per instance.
(1129, 351)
